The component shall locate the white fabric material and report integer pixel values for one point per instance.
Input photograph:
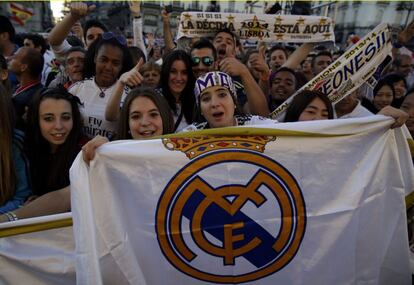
(47, 66)
(263, 27)
(44, 257)
(61, 50)
(93, 109)
(352, 185)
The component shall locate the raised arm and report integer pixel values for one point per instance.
(131, 78)
(298, 55)
(134, 7)
(256, 100)
(62, 29)
(51, 203)
(168, 37)
(259, 64)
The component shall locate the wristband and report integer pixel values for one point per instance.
(11, 216)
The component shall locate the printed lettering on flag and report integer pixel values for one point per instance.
(362, 63)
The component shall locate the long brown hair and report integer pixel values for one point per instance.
(159, 102)
(7, 170)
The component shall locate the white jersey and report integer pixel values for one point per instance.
(93, 109)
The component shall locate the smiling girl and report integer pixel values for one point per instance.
(144, 114)
(54, 138)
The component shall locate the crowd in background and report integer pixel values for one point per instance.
(85, 85)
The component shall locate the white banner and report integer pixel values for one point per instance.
(264, 27)
(38, 251)
(317, 202)
(363, 63)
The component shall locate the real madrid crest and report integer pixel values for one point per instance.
(232, 214)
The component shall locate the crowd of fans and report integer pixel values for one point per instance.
(93, 86)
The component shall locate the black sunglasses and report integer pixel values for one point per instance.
(207, 61)
(120, 38)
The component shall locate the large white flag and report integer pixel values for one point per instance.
(314, 202)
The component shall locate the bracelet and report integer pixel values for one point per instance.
(11, 216)
(137, 17)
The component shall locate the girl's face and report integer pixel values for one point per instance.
(151, 78)
(400, 89)
(383, 98)
(108, 65)
(178, 77)
(277, 59)
(55, 121)
(144, 119)
(316, 110)
(217, 107)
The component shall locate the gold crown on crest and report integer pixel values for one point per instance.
(195, 146)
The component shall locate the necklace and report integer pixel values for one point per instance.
(102, 94)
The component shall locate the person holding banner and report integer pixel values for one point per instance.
(215, 94)
(144, 114)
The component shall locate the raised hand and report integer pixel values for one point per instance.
(133, 78)
(135, 7)
(80, 9)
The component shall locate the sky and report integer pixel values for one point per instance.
(57, 6)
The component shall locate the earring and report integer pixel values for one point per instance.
(129, 132)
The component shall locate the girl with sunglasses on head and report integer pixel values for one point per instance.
(14, 175)
(106, 60)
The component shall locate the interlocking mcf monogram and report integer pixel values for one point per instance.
(198, 223)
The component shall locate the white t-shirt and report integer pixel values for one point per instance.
(93, 109)
(358, 112)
